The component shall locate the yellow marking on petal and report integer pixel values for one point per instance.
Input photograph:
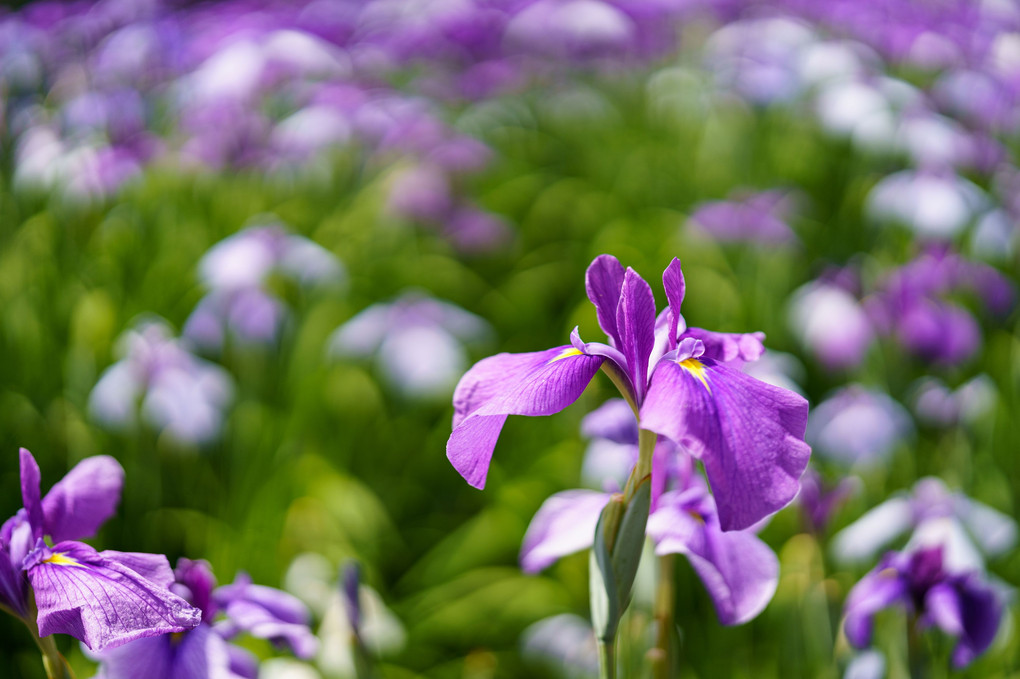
(696, 368)
(61, 559)
(567, 353)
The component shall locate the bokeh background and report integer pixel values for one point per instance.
(481, 153)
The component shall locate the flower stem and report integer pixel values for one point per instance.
(663, 656)
(607, 658)
(55, 663)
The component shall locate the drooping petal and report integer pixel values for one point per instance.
(84, 499)
(860, 541)
(99, 600)
(748, 434)
(673, 283)
(942, 607)
(538, 383)
(635, 324)
(981, 614)
(259, 622)
(995, 532)
(739, 571)
(30, 494)
(877, 590)
(603, 281)
(564, 524)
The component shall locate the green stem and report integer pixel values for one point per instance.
(55, 663)
(662, 656)
(617, 378)
(607, 658)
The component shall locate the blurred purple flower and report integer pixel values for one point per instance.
(564, 641)
(965, 527)
(934, 204)
(937, 404)
(858, 426)
(961, 605)
(831, 324)
(179, 393)
(236, 271)
(205, 652)
(747, 434)
(752, 217)
(104, 599)
(401, 333)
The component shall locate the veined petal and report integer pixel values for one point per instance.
(564, 524)
(538, 383)
(748, 434)
(604, 281)
(739, 571)
(99, 600)
(30, 494)
(635, 324)
(85, 498)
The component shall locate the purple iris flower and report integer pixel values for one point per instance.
(748, 434)
(831, 323)
(937, 404)
(752, 217)
(961, 605)
(738, 569)
(819, 500)
(104, 599)
(967, 528)
(205, 652)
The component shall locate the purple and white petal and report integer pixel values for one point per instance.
(84, 499)
(564, 524)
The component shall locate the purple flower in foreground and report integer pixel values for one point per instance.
(755, 218)
(104, 599)
(961, 605)
(748, 434)
(205, 651)
(738, 569)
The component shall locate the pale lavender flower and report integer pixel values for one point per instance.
(236, 271)
(831, 324)
(401, 333)
(937, 404)
(962, 605)
(104, 599)
(965, 527)
(858, 426)
(566, 642)
(933, 204)
(748, 434)
(747, 217)
(177, 392)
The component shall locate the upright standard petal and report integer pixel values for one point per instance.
(538, 383)
(748, 434)
(739, 571)
(603, 281)
(30, 494)
(84, 499)
(635, 324)
(564, 524)
(95, 598)
(675, 286)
